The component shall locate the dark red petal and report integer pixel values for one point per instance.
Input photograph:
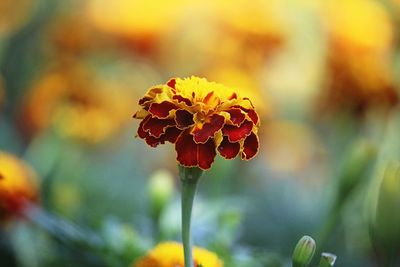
(141, 132)
(215, 123)
(150, 140)
(206, 154)
(171, 134)
(171, 83)
(250, 146)
(190, 154)
(235, 133)
(143, 100)
(227, 149)
(183, 118)
(161, 110)
(237, 117)
(153, 141)
(156, 127)
(182, 99)
(149, 96)
(253, 115)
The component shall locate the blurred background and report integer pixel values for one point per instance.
(324, 77)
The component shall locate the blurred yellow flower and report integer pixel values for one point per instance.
(361, 23)
(18, 185)
(170, 254)
(249, 30)
(256, 18)
(78, 103)
(360, 47)
(141, 22)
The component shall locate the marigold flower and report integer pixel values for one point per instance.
(200, 118)
(170, 254)
(17, 185)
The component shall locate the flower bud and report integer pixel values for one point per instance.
(303, 252)
(160, 189)
(327, 260)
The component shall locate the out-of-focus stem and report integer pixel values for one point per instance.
(61, 229)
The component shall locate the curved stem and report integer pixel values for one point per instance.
(189, 178)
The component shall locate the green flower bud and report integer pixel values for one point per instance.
(160, 189)
(303, 252)
(327, 260)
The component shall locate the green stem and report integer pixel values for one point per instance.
(189, 179)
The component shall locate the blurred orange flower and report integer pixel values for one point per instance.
(139, 22)
(170, 254)
(360, 51)
(18, 185)
(72, 35)
(78, 103)
(258, 22)
(199, 117)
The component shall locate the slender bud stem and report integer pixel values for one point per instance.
(189, 178)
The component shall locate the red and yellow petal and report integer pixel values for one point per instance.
(191, 154)
(180, 99)
(236, 116)
(251, 113)
(150, 140)
(183, 119)
(150, 95)
(140, 131)
(156, 127)
(207, 130)
(250, 147)
(162, 110)
(170, 135)
(227, 149)
(253, 116)
(171, 83)
(235, 133)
